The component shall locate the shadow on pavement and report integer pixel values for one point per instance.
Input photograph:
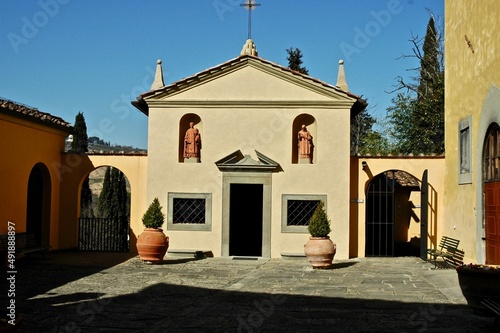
(163, 307)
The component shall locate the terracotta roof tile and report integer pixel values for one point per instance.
(403, 178)
(33, 114)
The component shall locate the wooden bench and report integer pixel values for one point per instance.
(447, 248)
(494, 307)
(25, 244)
(455, 259)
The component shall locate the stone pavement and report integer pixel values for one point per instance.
(116, 292)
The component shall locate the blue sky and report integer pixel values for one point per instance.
(95, 56)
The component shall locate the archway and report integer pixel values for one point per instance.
(389, 215)
(491, 190)
(38, 204)
(106, 226)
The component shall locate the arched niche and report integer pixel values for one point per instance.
(311, 125)
(184, 126)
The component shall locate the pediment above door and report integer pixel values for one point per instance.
(238, 162)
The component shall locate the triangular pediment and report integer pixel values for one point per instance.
(250, 79)
(237, 161)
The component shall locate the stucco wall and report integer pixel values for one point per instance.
(472, 66)
(270, 132)
(23, 144)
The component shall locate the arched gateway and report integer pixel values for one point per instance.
(389, 215)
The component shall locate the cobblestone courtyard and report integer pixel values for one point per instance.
(113, 292)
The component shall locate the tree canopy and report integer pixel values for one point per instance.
(417, 114)
(295, 60)
(414, 123)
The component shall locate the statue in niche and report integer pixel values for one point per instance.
(305, 143)
(192, 142)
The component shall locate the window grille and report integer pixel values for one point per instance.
(190, 211)
(299, 212)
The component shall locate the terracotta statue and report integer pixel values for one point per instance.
(305, 143)
(192, 142)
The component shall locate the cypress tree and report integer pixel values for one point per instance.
(428, 114)
(106, 195)
(429, 62)
(114, 203)
(114, 198)
(80, 142)
(123, 198)
(80, 145)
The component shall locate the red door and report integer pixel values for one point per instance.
(492, 220)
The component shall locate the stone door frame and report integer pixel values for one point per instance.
(264, 179)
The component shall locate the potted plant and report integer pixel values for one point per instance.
(478, 282)
(320, 249)
(152, 244)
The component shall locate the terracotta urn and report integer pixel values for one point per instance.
(320, 251)
(152, 245)
(478, 282)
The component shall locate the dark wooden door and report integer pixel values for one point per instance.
(492, 221)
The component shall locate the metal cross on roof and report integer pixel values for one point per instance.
(250, 5)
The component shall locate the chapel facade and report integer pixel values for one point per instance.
(241, 154)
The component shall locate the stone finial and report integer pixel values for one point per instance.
(158, 81)
(249, 48)
(341, 81)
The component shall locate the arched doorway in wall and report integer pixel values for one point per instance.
(105, 225)
(390, 229)
(38, 204)
(491, 190)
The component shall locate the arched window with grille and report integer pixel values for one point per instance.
(491, 154)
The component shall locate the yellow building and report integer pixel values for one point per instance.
(472, 118)
(31, 143)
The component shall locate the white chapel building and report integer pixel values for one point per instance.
(240, 154)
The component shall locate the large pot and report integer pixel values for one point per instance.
(320, 251)
(152, 245)
(477, 283)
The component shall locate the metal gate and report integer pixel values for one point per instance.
(104, 234)
(380, 216)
